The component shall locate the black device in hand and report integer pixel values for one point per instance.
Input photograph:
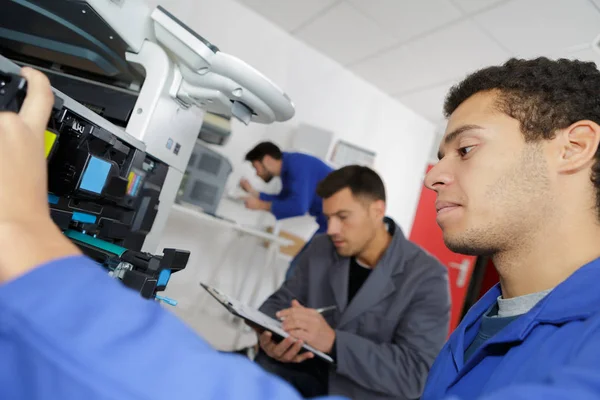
(13, 89)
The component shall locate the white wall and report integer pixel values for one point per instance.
(325, 95)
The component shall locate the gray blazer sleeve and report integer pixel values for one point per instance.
(400, 368)
(294, 288)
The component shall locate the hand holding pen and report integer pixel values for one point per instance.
(308, 325)
(321, 310)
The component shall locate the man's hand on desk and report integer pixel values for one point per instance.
(30, 236)
(254, 203)
(247, 187)
(307, 325)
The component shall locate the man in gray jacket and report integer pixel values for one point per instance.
(392, 303)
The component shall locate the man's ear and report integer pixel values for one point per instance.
(269, 162)
(578, 145)
(378, 207)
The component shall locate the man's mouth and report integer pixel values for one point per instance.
(442, 207)
(337, 242)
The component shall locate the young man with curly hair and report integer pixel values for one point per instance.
(518, 180)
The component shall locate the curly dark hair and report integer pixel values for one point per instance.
(543, 95)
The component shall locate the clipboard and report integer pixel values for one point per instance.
(258, 318)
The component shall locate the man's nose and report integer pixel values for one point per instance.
(333, 227)
(439, 175)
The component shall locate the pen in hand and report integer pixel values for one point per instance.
(325, 309)
(320, 310)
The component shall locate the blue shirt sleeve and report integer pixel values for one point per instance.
(270, 197)
(294, 199)
(68, 331)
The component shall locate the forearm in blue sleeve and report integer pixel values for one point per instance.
(68, 331)
(297, 202)
(285, 205)
(269, 197)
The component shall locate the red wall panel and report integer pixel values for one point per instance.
(490, 278)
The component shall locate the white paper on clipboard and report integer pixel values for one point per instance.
(254, 316)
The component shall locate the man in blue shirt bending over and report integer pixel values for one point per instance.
(300, 174)
(67, 330)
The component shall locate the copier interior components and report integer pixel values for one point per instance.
(100, 183)
(102, 189)
(104, 193)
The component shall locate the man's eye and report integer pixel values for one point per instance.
(463, 151)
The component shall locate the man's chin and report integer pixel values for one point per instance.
(467, 247)
(344, 252)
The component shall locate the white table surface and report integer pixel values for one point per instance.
(233, 225)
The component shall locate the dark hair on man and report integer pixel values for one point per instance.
(264, 149)
(543, 95)
(362, 182)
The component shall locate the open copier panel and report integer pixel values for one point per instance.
(103, 190)
(100, 184)
(104, 194)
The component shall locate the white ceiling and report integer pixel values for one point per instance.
(415, 50)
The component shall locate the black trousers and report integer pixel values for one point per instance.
(309, 377)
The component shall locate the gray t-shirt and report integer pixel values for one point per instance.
(519, 305)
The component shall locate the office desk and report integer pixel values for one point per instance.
(191, 212)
